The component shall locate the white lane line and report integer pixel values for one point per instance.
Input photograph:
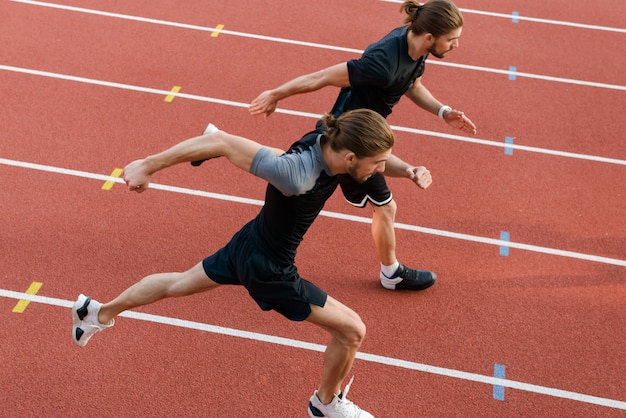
(372, 358)
(530, 75)
(336, 215)
(309, 44)
(185, 26)
(534, 19)
(163, 92)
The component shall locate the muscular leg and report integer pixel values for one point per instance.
(383, 232)
(156, 287)
(347, 331)
(395, 275)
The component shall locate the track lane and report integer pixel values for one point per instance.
(462, 271)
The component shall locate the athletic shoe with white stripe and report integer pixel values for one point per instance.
(408, 279)
(85, 314)
(340, 407)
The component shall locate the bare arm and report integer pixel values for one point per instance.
(239, 151)
(395, 167)
(336, 75)
(422, 97)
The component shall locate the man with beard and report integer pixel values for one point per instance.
(261, 255)
(387, 70)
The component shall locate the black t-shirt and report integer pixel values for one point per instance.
(283, 221)
(382, 75)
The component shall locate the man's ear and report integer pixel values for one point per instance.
(350, 157)
(429, 37)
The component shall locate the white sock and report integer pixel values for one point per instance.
(389, 271)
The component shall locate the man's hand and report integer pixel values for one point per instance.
(420, 176)
(137, 176)
(264, 103)
(457, 119)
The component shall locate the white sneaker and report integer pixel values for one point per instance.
(210, 128)
(340, 407)
(85, 315)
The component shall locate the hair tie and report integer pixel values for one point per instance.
(415, 9)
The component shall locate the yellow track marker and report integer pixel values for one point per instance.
(109, 183)
(217, 33)
(32, 290)
(171, 97)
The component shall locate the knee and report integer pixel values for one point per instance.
(188, 283)
(387, 211)
(219, 138)
(356, 333)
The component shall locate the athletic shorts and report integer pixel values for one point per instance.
(374, 190)
(271, 285)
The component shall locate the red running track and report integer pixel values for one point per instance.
(552, 313)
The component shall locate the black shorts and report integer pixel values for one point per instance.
(271, 285)
(374, 190)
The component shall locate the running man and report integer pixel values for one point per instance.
(387, 70)
(261, 255)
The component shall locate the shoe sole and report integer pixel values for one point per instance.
(400, 286)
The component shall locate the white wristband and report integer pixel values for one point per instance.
(443, 109)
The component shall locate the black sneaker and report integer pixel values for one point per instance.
(408, 279)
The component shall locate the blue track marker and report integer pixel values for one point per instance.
(512, 71)
(508, 150)
(504, 250)
(498, 391)
(515, 17)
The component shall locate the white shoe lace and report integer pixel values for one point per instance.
(347, 408)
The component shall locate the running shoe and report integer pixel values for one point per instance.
(340, 407)
(86, 324)
(210, 128)
(408, 279)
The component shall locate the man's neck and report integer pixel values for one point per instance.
(416, 45)
(334, 160)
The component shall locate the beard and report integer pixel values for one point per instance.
(436, 54)
(353, 171)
